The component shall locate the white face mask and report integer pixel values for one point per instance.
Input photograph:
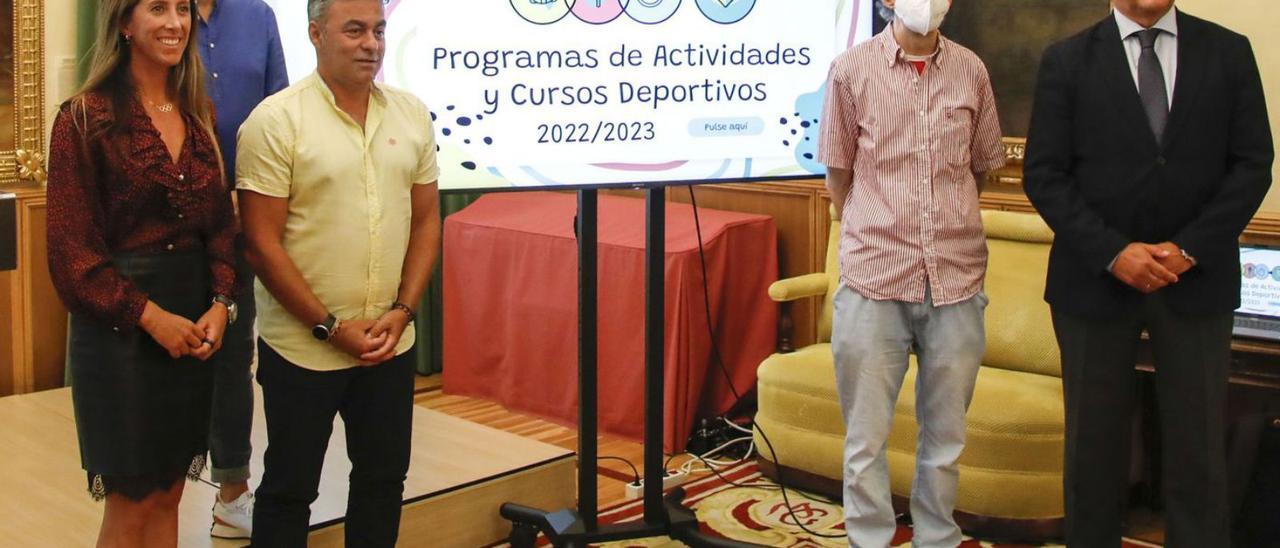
(921, 16)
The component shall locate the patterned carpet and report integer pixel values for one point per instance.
(757, 514)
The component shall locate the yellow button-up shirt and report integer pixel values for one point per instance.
(349, 203)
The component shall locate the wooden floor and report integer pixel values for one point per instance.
(51, 507)
(613, 474)
(459, 473)
(481, 437)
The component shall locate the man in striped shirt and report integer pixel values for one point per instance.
(908, 130)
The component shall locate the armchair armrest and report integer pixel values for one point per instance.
(799, 287)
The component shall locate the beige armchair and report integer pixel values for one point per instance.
(1011, 469)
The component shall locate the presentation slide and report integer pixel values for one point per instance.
(1260, 286)
(547, 93)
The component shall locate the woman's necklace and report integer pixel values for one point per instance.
(165, 107)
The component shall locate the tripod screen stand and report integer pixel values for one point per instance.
(662, 515)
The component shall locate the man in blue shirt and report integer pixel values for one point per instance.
(240, 45)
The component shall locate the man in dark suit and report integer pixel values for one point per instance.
(1149, 151)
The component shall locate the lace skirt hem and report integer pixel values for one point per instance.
(137, 488)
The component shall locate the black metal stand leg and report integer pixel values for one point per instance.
(588, 386)
(655, 222)
(662, 515)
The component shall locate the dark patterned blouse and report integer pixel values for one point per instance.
(118, 192)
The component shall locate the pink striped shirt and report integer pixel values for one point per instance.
(914, 143)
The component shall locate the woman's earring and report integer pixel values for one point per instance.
(127, 36)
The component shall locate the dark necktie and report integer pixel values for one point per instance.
(1151, 87)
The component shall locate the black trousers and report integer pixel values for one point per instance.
(1192, 355)
(376, 404)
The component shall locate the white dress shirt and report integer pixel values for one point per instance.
(1166, 46)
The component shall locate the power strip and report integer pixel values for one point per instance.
(674, 478)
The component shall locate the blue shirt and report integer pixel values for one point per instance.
(240, 46)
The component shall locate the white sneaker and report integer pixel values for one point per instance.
(233, 519)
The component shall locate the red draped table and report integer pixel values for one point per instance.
(510, 308)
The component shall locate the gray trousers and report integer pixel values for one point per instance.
(1099, 384)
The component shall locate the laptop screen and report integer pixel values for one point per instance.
(1260, 284)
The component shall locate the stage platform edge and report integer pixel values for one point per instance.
(459, 475)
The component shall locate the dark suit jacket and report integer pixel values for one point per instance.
(1096, 174)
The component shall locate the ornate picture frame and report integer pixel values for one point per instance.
(25, 161)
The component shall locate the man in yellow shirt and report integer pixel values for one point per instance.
(337, 184)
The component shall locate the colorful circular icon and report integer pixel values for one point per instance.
(648, 12)
(726, 12)
(597, 12)
(543, 12)
(1254, 271)
(652, 12)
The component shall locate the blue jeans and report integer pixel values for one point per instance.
(871, 341)
(231, 419)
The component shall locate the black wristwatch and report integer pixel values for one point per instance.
(231, 307)
(326, 329)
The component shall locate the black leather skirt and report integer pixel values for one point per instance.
(142, 418)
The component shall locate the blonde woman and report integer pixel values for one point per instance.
(141, 232)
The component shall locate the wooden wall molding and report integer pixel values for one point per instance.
(1264, 228)
(34, 318)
